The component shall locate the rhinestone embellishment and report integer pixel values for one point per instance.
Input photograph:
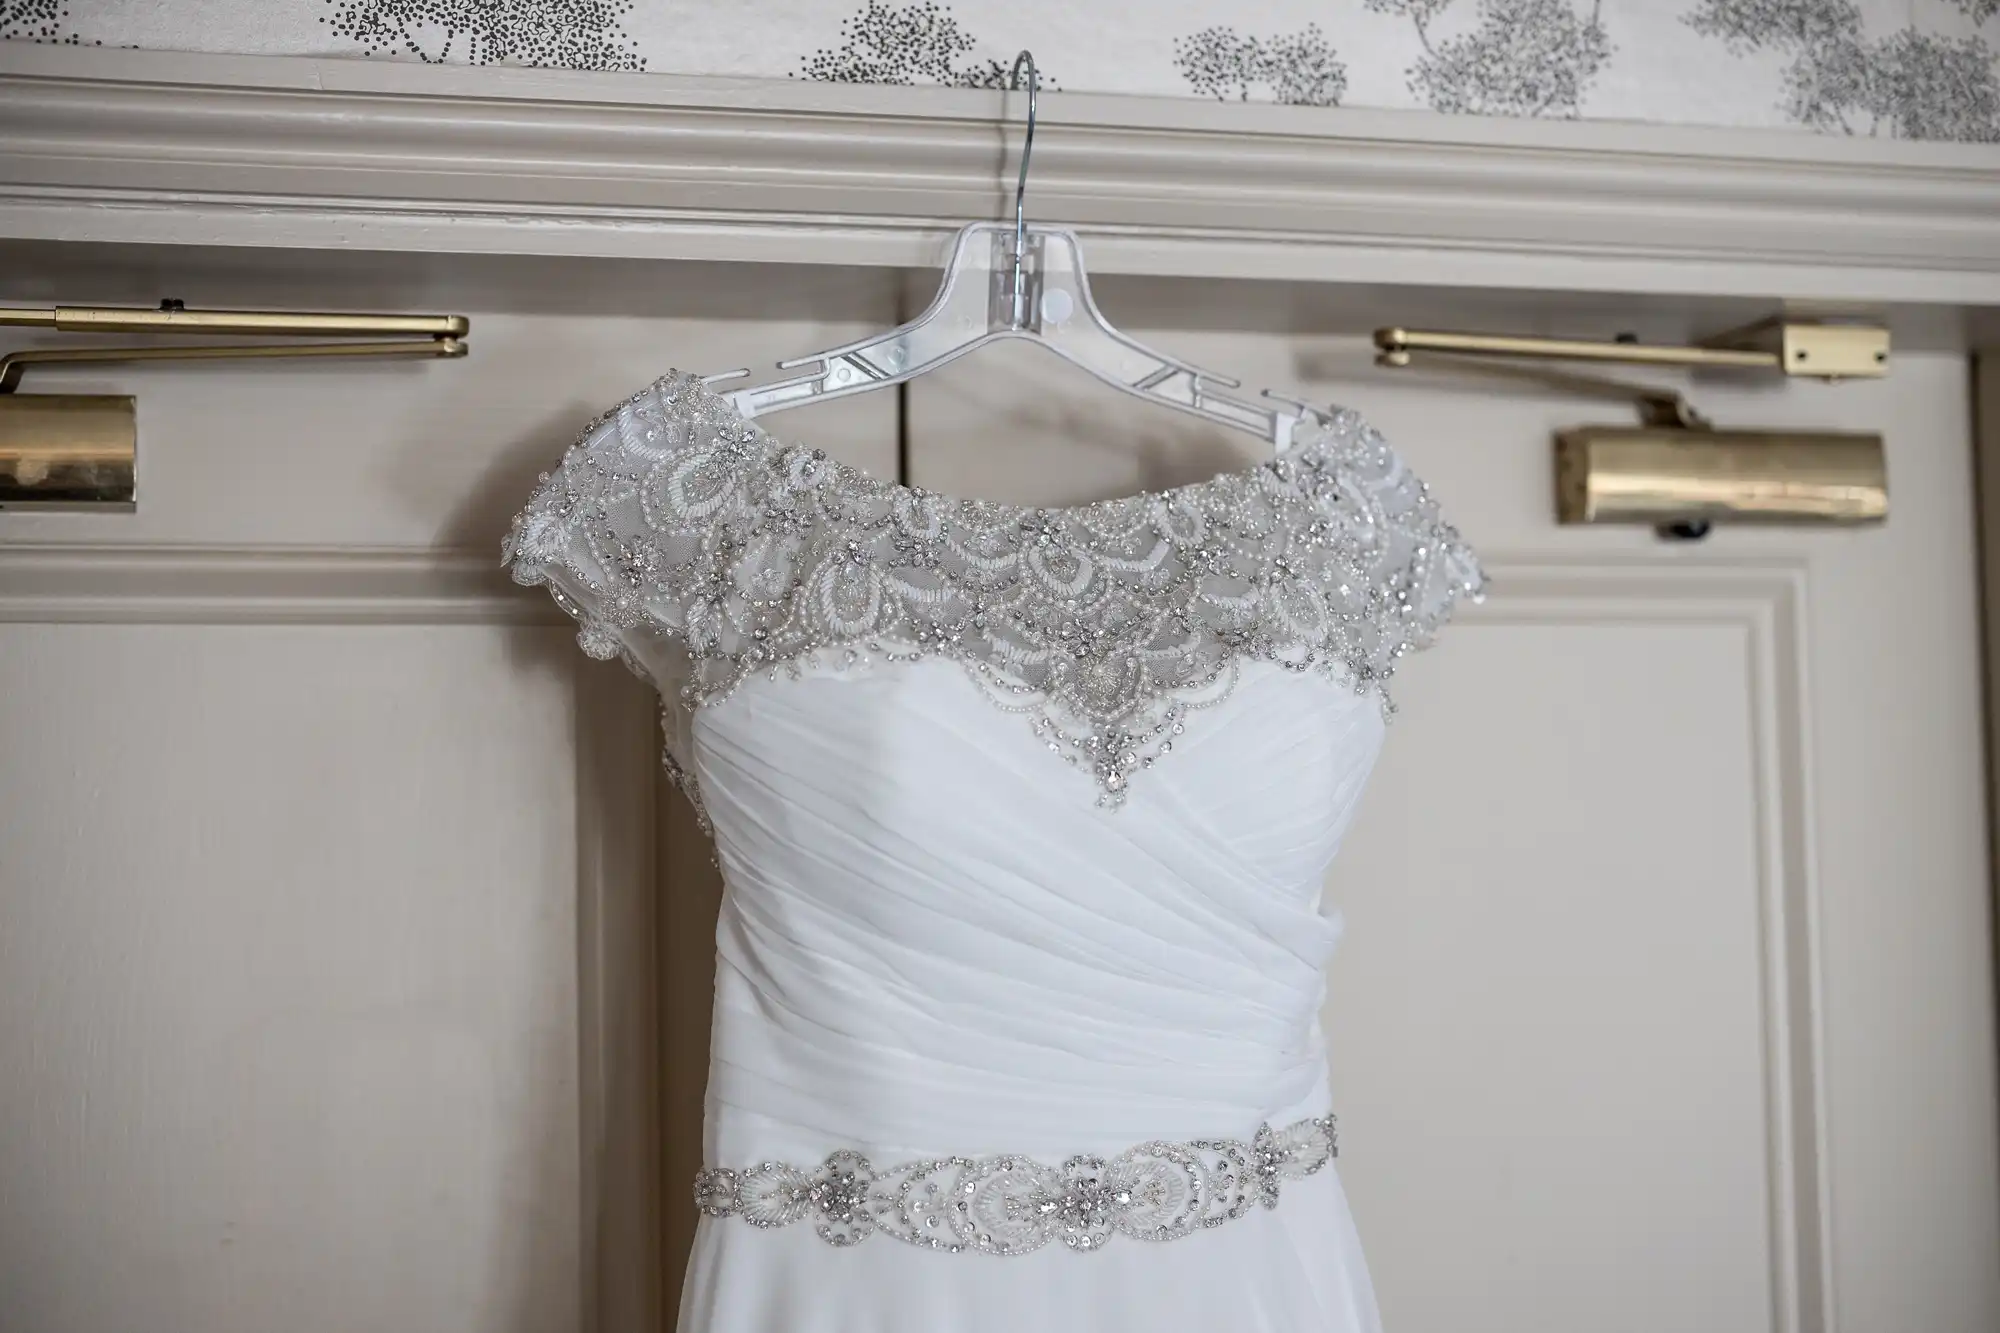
(1106, 623)
(1008, 1204)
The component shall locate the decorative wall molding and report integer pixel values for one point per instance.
(154, 148)
(131, 584)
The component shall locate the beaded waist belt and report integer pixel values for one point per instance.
(1009, 1204)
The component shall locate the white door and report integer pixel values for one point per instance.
(327, 925)
(1666, 999)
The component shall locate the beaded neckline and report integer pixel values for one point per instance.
(1106, 623)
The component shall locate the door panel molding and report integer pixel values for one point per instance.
(616, 779)
(66, 583)
(1767, 600)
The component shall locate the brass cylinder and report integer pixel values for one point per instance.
(68, 451)
(1665, 475)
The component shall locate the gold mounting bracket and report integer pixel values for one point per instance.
(1656, 406)
(81, 450)
(1676, 471)
(174, 317)
(1813, 349)
(13, 363)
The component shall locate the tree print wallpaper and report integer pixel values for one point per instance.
(1916, 69)
(567, 34)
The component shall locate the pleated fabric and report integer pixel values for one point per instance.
(933, 942)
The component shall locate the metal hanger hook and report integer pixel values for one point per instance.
(1021, 186)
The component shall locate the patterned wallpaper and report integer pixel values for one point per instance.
(1926, 69)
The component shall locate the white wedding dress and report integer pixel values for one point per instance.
(1023, 816)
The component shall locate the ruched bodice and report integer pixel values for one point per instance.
(930, 945)
(1023, 817)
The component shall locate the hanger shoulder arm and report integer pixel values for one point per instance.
(975, 305)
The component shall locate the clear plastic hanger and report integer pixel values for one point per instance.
(1019, 282)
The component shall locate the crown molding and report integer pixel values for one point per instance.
(159, 148)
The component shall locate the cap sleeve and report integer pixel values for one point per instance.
(591, 533)
(1417, 567)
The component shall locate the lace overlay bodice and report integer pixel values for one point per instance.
(673, 519)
